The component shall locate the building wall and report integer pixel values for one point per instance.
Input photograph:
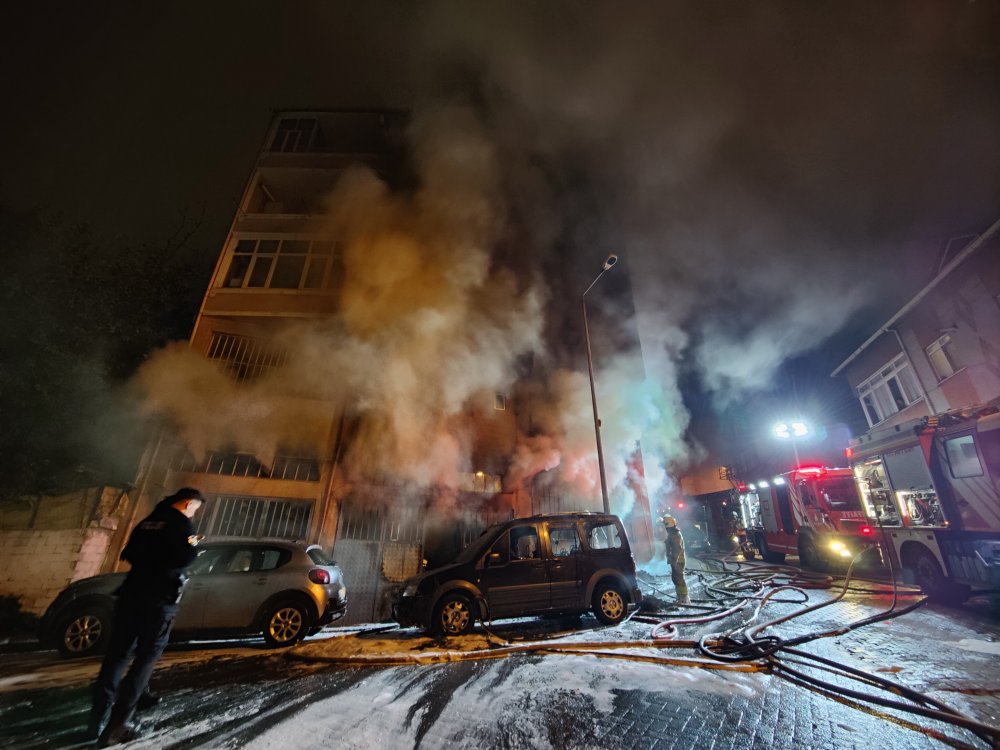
(963, 311)
(38, 564)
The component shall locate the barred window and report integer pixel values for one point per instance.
(244, 357)
(252, 517)
(225, 463)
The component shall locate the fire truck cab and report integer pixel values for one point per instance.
(932, 485)
(813, 512)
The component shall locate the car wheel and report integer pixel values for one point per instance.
(85, 632)
(453, 615)
(285, 623)
(933, 581)
(609, 604)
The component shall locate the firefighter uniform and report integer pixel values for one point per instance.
(675, 556)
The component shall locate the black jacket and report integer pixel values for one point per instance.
(159, 550)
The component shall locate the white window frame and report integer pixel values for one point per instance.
(312, 256)
(878, 389)
(940, 358)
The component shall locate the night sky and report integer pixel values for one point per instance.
(769, 141)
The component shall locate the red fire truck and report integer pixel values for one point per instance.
(813, 512)
(931, 487)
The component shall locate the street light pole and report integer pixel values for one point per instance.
(611, 260)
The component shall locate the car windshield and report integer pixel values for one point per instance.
(478, 546)
(840, 493)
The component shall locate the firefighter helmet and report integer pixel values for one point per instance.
(669, 521)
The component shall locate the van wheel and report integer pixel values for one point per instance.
(453, 615)
(932, 580)
(609, 604)
(285, 623)
(85, 632)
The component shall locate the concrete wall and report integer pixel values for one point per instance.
(37, 564)
(47, 542)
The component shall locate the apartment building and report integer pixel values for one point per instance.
(280, 263)
(941, 350)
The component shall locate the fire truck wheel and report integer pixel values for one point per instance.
(933, 582)
(809, 556)
(778, 558)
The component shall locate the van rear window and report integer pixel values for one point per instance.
(604, 536)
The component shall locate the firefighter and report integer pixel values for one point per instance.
(675, 556)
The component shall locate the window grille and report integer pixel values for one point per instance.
(249, 516)
(244, 357)
(294, 468)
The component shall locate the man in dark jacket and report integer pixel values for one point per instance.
(159, 549)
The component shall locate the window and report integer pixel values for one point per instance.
(499, 402)
(249, 516)
(272, 559)
(564, 541)
(941, 358)
(524, 543)
(963, 458)
(604, 536)
(840, 494)
(205, 563)
(889, 391)
(280, 264)
(293, 135)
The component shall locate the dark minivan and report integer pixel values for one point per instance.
(566, 563)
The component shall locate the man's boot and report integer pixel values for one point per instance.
(98, 719)
(116, 733)
(147, 700)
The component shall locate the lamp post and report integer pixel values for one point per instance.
(792, 431)
(610, 261)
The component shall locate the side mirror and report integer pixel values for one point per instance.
(494, 558)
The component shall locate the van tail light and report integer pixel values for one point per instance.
(866, 530)
(318, 575)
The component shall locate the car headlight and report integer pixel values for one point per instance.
(837, 546)
(410, 590)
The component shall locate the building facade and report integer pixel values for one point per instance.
(941, 350)
(280, 264)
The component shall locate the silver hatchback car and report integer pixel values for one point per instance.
(282, 590)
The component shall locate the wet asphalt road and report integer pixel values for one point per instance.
(238, 694)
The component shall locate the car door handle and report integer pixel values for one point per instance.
(261, 581)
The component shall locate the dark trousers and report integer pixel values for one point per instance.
(139, 632)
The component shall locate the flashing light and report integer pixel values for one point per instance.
(849, 452)
(778, 480)
(817, 470)
(763, 483)
(680, 503)
(866, 530)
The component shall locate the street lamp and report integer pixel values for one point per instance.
(610, 261)
(792, 431)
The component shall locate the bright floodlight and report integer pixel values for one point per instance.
(752, 487)
(782, 430)
(779, 480)
(800, 429)
(762, 483)
(611, 260)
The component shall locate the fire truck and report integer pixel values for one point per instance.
(931, 486)
(813, 512)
